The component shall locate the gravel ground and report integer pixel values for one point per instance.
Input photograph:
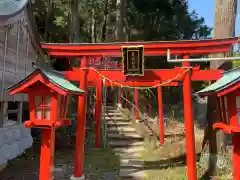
(26, 167)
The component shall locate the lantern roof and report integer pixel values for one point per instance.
(56, 78)
(229, 79)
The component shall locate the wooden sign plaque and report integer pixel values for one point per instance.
(133, 60)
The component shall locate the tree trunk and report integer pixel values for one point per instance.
(104, 26)
(48, 18)
(93, 23)
(224, 27)
(120, 20)
(127, 29)
(74, 27)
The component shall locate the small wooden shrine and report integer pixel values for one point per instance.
(226, 91)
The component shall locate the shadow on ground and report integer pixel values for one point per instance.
(99, 163)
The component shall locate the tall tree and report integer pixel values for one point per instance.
(224, 27)
(93, 23)
(74, 24)
(120, 20)
(105, 18)
(48, 19)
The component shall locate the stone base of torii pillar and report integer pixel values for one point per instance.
(79, 178)
(119, 105)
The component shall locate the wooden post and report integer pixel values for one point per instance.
(47, 154)
(20, 112)
(4, 62)
(17, 53)
(98, 112)
(189, 124)
(136, 104)
(81, 121)
(4, 113)
(160, 115)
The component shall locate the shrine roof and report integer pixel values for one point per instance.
(228, 79)
(55, 77)
(10, 7)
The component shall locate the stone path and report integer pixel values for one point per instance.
(126, 143)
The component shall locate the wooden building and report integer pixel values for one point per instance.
(19, 47)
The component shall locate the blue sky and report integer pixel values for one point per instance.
(205, 8)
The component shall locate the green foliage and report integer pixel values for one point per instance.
(236, 63)
(165, 20)
(146, 19)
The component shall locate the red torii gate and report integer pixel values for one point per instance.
(97, 82)
(183, 48)
(106, 64)
(99, 86)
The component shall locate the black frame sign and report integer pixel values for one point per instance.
(133, 60)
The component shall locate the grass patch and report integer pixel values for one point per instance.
(101, 161)
(177, 173)
(163, 162)
(168, 161)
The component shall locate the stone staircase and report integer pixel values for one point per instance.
(126, 143)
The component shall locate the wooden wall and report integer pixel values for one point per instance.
(16, 54)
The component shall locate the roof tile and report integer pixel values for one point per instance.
(229, 78)
(8, 7)
(55, 77)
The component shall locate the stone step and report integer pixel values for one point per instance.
(136, 173)
(125, 143)
(110, 115)
(136, 149)
(110, 107)
(119, 123)
(127, 156)
(117, 120)
(122, 129)
(124, 136)
(113, 118)
(131, 163)
(113, 113)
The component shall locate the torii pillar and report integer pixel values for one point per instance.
(98, 111)
(189, 124)
(136, 104)
(160, 115)
(81, 121)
